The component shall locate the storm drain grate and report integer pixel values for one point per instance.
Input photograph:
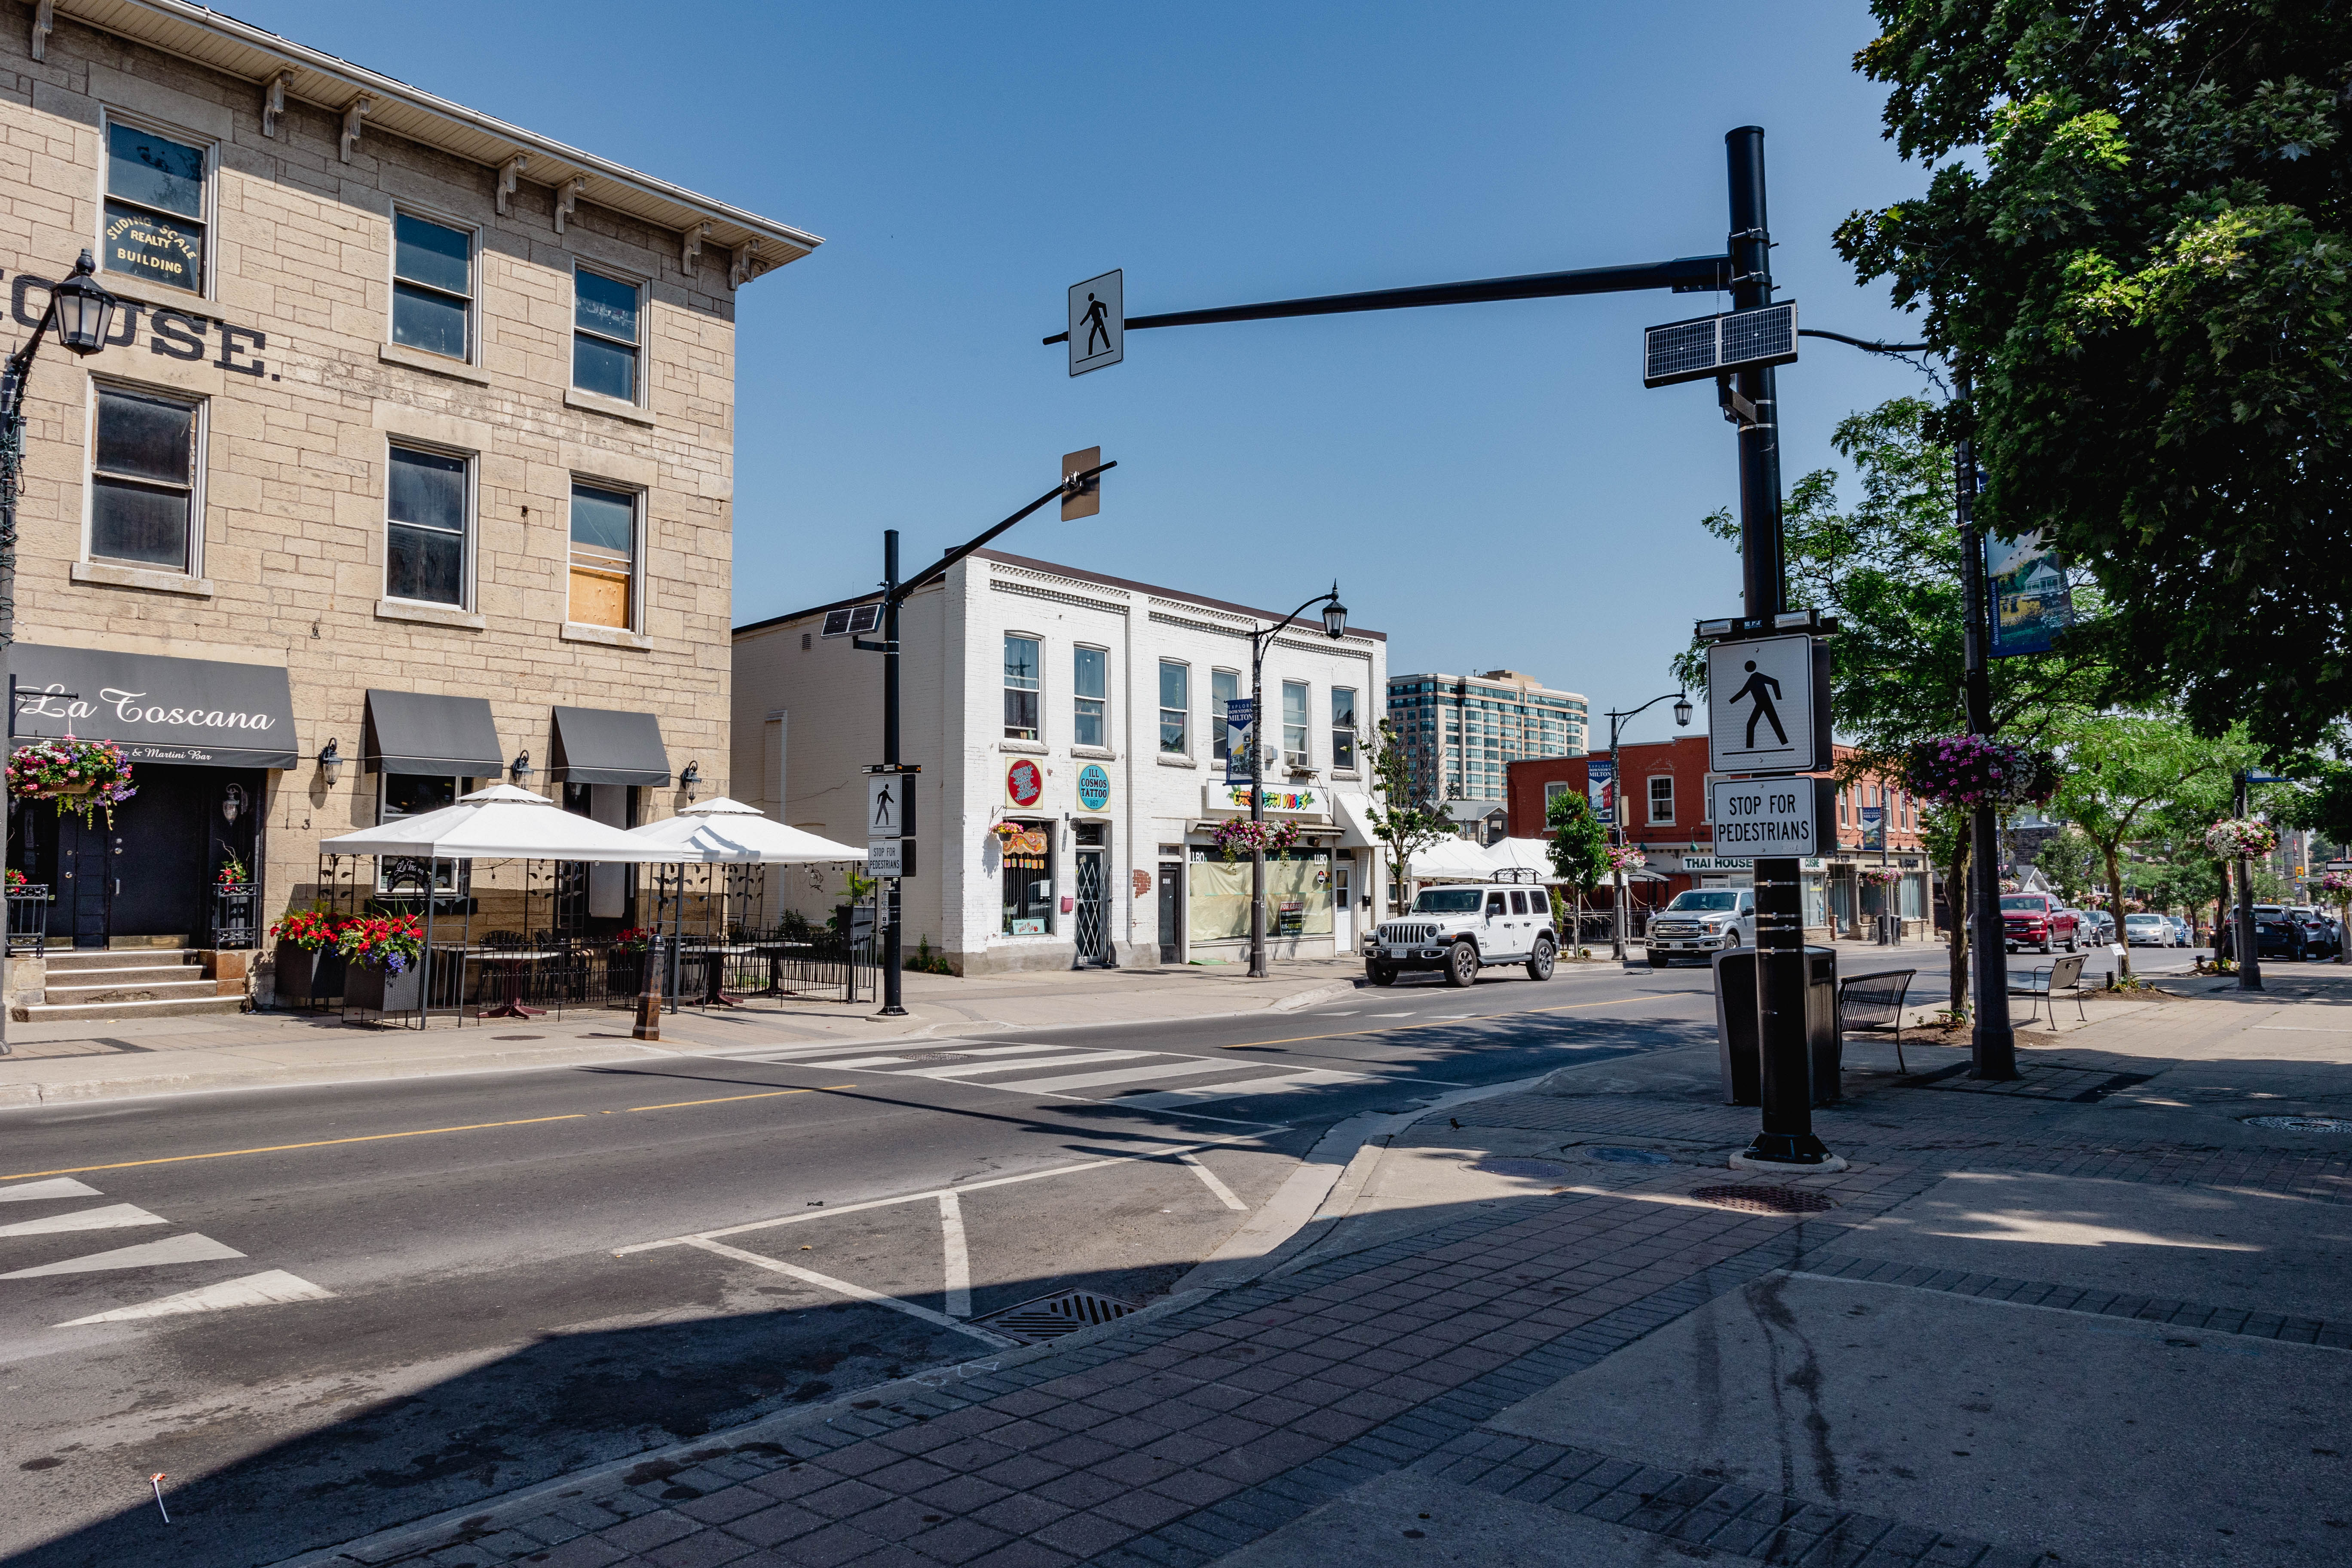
(1764, 1200)
(2302, 1123)
(1051, 1317)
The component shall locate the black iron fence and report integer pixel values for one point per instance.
(28, 919)
(235, 916)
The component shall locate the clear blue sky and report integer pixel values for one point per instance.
(1490, 483)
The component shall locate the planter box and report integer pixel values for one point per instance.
(374, 990)
(305, 977)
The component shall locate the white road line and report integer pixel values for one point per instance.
(865, 1062)
(1170, 1098)
(1118, 1075)
(114, 1217)
(974, 1069)
(920, 1197)
(252, 1291)
(62, 1188)
(189, 1248)
(1224, 1194)
(959, 1261)
(843, 1288)
(1013, 1050)
(2282, 1029)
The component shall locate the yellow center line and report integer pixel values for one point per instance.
(380, 1137)
(1433, 1023)
(728, 1099)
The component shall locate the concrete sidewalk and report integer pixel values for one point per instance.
(2092, 1316)
(59, 1063)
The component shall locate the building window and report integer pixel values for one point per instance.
(1343, 727)
(1175, 709)
(1294, 725)
(1029, 873)
(604, 555)
(605, 335)
(154, 207)
(142, 486)
(1661, 800)
(432, 285)
(412, 795)
(425, 527)
(1553, 790)
(1225, 686)
(1020, 691)
(1089, 683)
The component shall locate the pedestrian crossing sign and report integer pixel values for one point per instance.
(1761, 707)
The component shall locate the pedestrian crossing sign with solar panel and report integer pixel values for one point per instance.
(1709, 346)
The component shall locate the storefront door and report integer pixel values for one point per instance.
(173, 837)
(1343, 905)
(86, 858)
(1172, 912)
(1093, 912)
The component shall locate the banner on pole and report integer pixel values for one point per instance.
(1241, 734)
(2031, 601)
(1601, 789)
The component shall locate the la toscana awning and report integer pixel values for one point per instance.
(198, 711)
(605, 746)
(414, 732)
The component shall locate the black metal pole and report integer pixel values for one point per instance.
(1258, 803)
(1993, 1042)
(1785, 1083)
(886, 898)
(2249, 945)
(12, 454)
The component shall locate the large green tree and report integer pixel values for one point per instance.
(1579, 852)
(2134, 236)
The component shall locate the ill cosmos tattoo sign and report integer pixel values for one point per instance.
(149, 247)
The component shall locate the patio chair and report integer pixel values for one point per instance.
(2046, 982)
(1874, 1001)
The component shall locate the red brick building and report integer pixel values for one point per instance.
(1665, 794)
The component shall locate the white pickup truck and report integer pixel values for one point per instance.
(1700, 922)
(1463, 929)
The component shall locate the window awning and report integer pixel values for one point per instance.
(603, 745)
(414, 732)
(196, 712)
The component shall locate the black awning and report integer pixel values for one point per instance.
(159, 709)
(410, 732)
(601, 746)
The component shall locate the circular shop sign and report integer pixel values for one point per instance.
(1094, 786)
(1024, 783)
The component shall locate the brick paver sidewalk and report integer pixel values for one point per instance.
(1187, 1433)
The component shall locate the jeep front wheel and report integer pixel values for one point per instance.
(1381, 974)
(1461, 965)
(1539, 962)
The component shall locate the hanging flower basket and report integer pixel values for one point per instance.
(2236, 836)
(1972, 771)
(1884, 875)
(2337, 884)
(1242, 837)
(1624, 857)
(2009, 885)
(84, 777)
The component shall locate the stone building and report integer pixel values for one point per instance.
(408, 465)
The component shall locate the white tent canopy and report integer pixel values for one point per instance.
(500, 822)
(1451, 859)
(727, 830)
(1522, 855)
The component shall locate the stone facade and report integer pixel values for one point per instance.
(288, 348)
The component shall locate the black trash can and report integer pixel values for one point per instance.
(1736, 1033)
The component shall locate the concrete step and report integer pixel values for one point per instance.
(65, 960)
(124, 973)
(127, 1012)
(130, 991)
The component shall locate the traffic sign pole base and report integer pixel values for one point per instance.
(891, 1013)
(1785, 1153)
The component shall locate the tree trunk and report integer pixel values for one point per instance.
(2115, 899)
(1956, 898)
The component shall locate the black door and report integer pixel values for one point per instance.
(86, 861)
(167, 840)
(1172, 912)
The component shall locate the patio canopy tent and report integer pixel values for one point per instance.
(500, 822)
(724, 831)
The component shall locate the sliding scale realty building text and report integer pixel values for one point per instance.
(407, 462)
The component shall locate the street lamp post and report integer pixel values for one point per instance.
(82, 312)
(1335, 626)
(2248, 943)
(1618, 912)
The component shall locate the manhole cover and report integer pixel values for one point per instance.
(1631, 1156)
(2302, 1123)
(1764, 1200)
(518, 1036)
(1051, 1317)
(1541, 1169)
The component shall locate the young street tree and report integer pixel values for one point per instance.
(1579, 852)
(1405, 826)
(2123, 769)
(2138, 235)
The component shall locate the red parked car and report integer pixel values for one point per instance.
(2038, 919)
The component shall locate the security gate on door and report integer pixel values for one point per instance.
(1094, 923)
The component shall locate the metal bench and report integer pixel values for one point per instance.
(1874, 1002)
(2046, 982)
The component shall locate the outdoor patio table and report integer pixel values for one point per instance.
(775, 953)
(713, 995)
(511, 962)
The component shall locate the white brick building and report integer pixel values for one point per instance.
(1069, 729)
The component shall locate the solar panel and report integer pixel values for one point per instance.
(836, 623)
(1714, 345)
(865, 619)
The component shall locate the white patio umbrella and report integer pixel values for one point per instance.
(725, 830)
(500, 822)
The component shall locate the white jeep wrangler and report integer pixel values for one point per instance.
(1463, 929)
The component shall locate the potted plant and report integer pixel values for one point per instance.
(624, 964)
(310, 967)
(84, 777)
(383, 953)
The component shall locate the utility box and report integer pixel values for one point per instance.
(1738, 1038)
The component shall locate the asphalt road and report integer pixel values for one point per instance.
(441, 1289)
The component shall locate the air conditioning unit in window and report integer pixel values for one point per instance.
(1298, 763)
